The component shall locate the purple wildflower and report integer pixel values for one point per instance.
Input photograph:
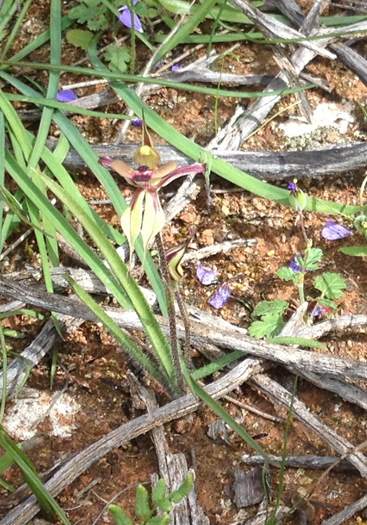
(130, 19)
(332, 231)
(295, 266)
(206, 275)
(220, 296)
(292, 187)
(137, 122)
(66, 95)
(176, 68)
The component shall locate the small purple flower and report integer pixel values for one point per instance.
(176, 68)
(66, 95)
(130, 19)
(295, 266)
(332, 231)
(137, 122)
(220, 296)
(292, 187)
(206, 275)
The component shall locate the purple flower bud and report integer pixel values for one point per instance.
(130, 19)
(176, 68)
(292, 187)
(295, 266)
(66, 95)
(206, 275)
(332, 231)
(106, 161)
(220, 296)
(137, 122)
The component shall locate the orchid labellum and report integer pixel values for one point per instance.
(145, 215)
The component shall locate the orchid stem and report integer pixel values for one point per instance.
(186, 323)
(171, 314)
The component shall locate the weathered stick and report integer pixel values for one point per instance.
(265, 164)
(347, 513)
(351, 393)
(221, 334)
(279, 395)
(306, 462)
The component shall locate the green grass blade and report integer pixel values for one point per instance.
(63, 106)
(46, 501)
(301, 341)
(53, 83)
(2, 175)
(16, 27)
(4, 356)
(105, 73)
(217, 408)
(217, 365)
(196, 16)
(7, 10)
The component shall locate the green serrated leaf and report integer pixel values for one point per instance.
(268, 326)
(159, 520)
(142, 507)
(265, 308)
(331, 285)
(286, 274)
(312, 259)
(79, 38)
(327, 302)
(355, 251)
(159, 496)
(92, 13)
(118, 57)
(183, 490)
(119, 515)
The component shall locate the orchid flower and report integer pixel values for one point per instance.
(145, 215)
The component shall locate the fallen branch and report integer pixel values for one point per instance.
(267, 165)
(218, 333)
(305, 462)
(347, 513)
(279, 395)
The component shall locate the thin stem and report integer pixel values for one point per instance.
(302, 225)
(171, 314)
(186, 323)
(5, 372)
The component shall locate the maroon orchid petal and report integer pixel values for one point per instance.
(206, 275)
(332, 231)
(106, 161)
(191, 169)
(220, 296)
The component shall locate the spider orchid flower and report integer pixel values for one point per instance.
(145, 215)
